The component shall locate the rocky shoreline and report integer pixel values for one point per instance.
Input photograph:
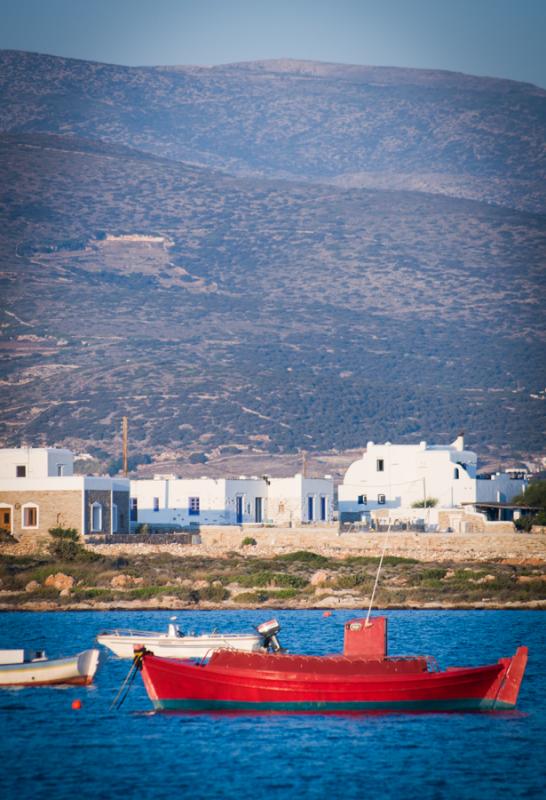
(284, 569)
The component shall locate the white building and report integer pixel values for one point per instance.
(39, 491)
(396, 476)
(168, 501)
(35, 462)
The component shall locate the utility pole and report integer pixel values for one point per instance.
(124, 431)
(304, 464)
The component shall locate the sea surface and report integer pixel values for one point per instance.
(50, 751)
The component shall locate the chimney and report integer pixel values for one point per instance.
(458, 444)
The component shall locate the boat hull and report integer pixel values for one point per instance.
(184, 647)
(74, 670)
(228, 686)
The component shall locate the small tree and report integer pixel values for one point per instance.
(534, 496)
(66, 545)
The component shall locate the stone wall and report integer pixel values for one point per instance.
(471, 522)
(102, 496)
(458, 547)
(55, 509)
(121, 499)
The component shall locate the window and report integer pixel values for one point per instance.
(193, 506)
(134, 509)
(323, 508)
(114, 518)
(362, 500)
(456, 473)
(156, 503)
(381, 499)
(60, 470)
(20, 472)
(30, 516)
(380, 465)
(310, 508)
(96, 518)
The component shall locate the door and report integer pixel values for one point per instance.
(310, 508)
(5, 520)
(323, 508)
(239, 509)
(258, 509)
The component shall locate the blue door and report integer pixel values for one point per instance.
(323, 508)
(239, 509)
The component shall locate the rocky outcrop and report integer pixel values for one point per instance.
(60, 581)
(123, 581)
(320, 577)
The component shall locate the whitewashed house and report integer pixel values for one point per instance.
(396, 476)
(38, 491)
(178, 502)
(36, 462)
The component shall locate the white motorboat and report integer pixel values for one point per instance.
(25, 667)
(175, 644)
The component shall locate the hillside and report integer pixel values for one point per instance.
(222, 312)
(422, 130)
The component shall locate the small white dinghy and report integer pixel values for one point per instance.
(33, 668)
(174, 644)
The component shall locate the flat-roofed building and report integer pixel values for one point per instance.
(165, 502)
(39, 491)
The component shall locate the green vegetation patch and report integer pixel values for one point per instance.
(266, 578)
(265, 595)
(304, 557)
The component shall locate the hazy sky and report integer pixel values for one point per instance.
(504, 38)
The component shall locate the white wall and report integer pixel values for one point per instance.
(172, 497)
(39, 462)
(411, 472)
(284, 500)
(288, 500)
(69, 484)
(499, 488)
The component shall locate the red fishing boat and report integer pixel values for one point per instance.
(364, 678)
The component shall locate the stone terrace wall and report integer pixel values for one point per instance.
(217, 541)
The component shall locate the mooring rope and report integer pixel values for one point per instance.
(377, 575)
(135, 666)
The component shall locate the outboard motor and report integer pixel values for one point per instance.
(269, 631)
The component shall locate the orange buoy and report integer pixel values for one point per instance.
(76, 704)
(327, 614)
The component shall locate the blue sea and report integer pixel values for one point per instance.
(50, 751)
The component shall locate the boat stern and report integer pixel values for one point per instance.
(503, 693)
(88, 663)
(510, 679)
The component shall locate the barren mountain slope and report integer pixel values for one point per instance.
(221, 312)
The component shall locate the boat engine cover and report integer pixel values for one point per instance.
(366, 639)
